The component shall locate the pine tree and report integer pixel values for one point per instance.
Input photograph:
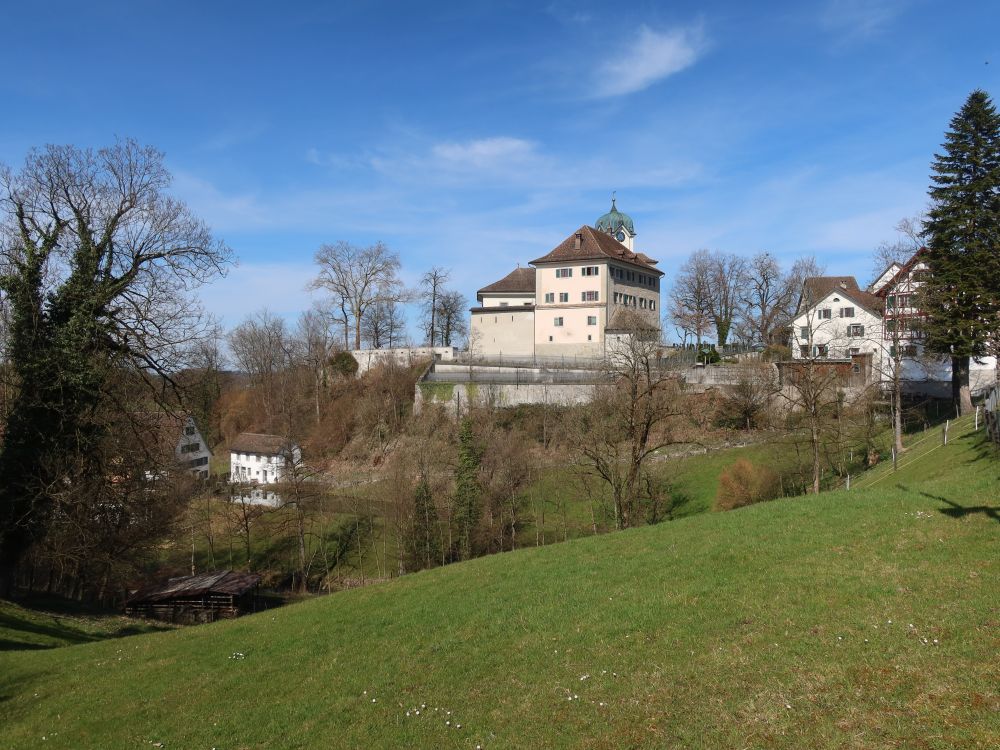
(962, 297)
(422, 545)
(467, 490)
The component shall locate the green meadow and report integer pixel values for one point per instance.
(861, 619)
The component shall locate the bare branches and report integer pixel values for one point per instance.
(357, 279)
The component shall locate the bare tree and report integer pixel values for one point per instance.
(99, 266)
(264, 350)
(725, 274)
(767, 296)
(314, 345)
(751, 395)
(691, 297)
(452, 319)
(909, 238)
(431, 287)
(358, 278)
(303, 492)
(383, 325)
(628, 420)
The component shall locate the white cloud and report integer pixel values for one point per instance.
(860, 19)
(485, 153)
(650, 57)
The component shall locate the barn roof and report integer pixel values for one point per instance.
(254, 442)
(226, 582)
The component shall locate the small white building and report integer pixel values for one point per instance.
(192, 451)
(836, 320)
(261, 459)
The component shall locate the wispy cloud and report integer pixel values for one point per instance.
(485, 153)
(650, 57)
(514, 162)
(853, 20)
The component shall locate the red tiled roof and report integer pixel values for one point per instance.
(816, 288)
(518, 280)
(595, 245)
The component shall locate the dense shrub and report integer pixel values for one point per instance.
(344, 363)
(745, 484)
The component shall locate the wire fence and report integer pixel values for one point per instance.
(918, 450)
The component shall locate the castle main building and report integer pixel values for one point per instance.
(572, 300)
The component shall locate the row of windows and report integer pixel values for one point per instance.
(550, 297)
(191, 448)
(823, 350)
(624, 275)
(825, 313)
(247, 457)
(507, 304)
(854, 330)
(203, 461)
(558, 322)
(630, 300)
(618, 273)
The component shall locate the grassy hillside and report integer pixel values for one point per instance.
(49, 624)
(862, 619)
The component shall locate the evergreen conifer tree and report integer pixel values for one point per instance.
(423, 542)
(962, 297)
(467, 489)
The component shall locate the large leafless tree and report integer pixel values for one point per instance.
(357, 279)
(99, 265)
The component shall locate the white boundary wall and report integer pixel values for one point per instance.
(406, 356)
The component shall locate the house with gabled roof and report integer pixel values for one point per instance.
(836, 320)
(899, 289)
(256, 458)
(573, 299)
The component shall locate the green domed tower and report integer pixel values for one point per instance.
(618, 225)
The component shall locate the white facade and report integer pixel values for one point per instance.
(405, 356)
(838, 327)
(192, 451)
(260, 459)
(571, 301)
(503, 332)
(902, 329)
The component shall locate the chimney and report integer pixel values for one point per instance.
(579, 240)
(843, 285)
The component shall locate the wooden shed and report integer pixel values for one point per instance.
(202, 598)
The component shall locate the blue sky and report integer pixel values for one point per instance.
(478, 135)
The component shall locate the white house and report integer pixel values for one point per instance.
(572, 300)
(192, 450)
(260, 459)
(836, 320)
(898, 286)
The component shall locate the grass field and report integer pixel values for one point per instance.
(53, 623)
(849, 620)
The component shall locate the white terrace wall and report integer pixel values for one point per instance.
(457, 396)
(406, 356)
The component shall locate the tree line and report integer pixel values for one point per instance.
(366, 296)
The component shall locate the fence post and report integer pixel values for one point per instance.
(848, 482)
(977, 418)
(947, 424)
(894, 458)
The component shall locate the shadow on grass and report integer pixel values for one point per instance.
(957, 510)
(55, 630)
